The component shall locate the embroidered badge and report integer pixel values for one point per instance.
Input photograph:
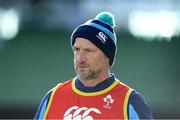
(108, 100)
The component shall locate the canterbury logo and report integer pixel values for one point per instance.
(102, 37)
(76, 113)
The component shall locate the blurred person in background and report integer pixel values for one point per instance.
(95, 93)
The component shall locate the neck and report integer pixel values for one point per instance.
(93, 82)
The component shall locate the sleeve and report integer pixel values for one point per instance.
(42, 107)
(138, 108)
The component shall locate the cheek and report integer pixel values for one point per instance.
(74, 60)
(98, 62)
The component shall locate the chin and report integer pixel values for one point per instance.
(83, 74)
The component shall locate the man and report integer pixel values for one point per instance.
(94, 93)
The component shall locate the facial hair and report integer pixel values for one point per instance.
(90, 75)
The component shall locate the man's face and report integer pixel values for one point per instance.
(89, 60)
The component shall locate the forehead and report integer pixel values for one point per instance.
(84, 43)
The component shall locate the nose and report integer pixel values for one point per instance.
(81, 57)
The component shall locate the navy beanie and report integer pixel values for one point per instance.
(100, 31)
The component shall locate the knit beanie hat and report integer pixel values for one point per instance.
(100, 31)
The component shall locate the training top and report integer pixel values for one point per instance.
(110, 99)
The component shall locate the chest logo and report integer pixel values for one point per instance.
(108, 100)
(80, 113)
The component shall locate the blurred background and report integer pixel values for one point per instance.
(35, 50)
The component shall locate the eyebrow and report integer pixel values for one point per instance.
(87, 48)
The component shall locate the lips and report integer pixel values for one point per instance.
(82, 66)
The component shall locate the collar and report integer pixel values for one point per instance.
(100, 88)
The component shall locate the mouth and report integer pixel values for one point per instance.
(82, 68)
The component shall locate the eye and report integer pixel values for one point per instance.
(75, 49)
(88, 50)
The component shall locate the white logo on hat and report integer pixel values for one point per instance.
(102, 37)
